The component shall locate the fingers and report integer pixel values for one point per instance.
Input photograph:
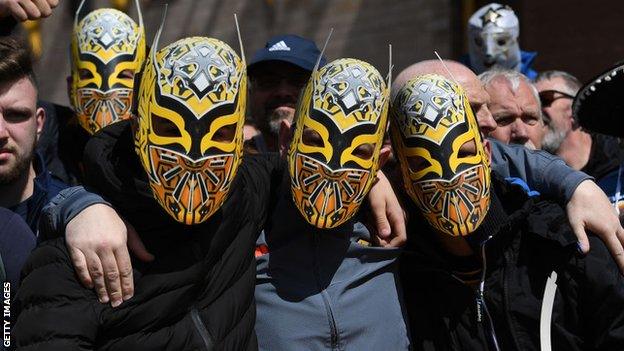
(44, 8)
(17, 11)
(135, 245)
(80, 263)
(125, 273)
(97, 275)
(382, 225)
(581, 236)
(617, 249)
(32, 11)
(53, 3)
(396, 216)
(111, 277)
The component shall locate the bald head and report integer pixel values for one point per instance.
(477, 96)
(460, 72)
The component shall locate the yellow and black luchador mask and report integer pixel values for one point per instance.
(107, 48)
(340, 124)
(191, 111)
(437, 141)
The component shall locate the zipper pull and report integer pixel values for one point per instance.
(479, 311)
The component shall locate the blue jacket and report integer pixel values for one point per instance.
(325, 289)
(45, 188)
(16, 243)
(526, 61)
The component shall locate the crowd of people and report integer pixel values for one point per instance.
(191, 200)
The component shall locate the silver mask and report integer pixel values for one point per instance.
(493, 38)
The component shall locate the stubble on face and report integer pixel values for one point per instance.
(12, 170)
(20, 123)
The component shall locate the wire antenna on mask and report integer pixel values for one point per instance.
(390, 67)
(318, 60)
(138, 6)
(157, 36)
(240, 41)
(77, 14)
(446, 67)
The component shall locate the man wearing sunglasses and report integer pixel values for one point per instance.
(594, 154)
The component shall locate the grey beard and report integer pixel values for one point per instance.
(275, 119)
(552, 140)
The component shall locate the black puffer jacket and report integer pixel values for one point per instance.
(196, 295)
(530, 240)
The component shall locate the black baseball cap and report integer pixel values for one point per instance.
(289, 48)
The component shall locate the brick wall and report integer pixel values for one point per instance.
(362, 29)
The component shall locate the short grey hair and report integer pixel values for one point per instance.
(514, 78)
(572, 84)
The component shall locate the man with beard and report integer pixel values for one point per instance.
(277, 73)
(487, 266)
(25, 184)
(593, 153)
(317, 264)
(516, 108)
(587, 207)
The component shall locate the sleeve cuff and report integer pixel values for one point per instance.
(63, 208)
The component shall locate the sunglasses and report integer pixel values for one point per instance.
(547, 97)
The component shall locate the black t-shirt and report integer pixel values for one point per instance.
(605, 156)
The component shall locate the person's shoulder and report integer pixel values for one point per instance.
(7, 217)
(50, 252)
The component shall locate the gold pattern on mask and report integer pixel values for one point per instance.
(328, 179)
(202, 74)
(180, 91)
(107, 34)
(350, 94)
(327, 196)
(432, 108)
(106, 44)
(451, 188)
(458, 206)
(190, 191)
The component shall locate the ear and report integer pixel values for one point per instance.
(487, 146)
(40, 120)
(384, 154)
(284, 137)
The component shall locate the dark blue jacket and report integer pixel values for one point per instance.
(46, 187)
(526, 61)
(16, 242)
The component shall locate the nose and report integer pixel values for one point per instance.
(486, 121)
(519, 132)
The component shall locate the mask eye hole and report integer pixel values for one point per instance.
(479, 42)
(126, 74)
(225, 134)
(417, 163)
(501, 42)
(364, 151)
(164, 127)
(468, 149)
(311, 137)
(85, 74)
